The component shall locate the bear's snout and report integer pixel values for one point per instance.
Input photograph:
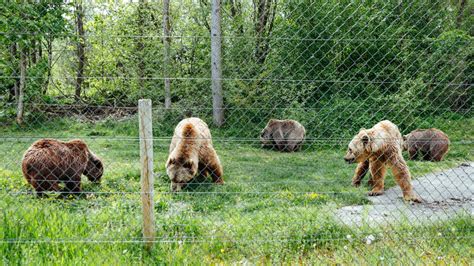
(349, 160)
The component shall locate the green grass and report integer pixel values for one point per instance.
(273, 207)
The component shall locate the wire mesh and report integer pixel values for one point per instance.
(304, 85)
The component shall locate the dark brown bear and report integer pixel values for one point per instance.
(283, 135)
(49, 162)
(431, 143)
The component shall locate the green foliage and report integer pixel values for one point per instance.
(321, 54)
(275, 207)
(25, 27)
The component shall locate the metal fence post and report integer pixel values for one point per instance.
(216, 61)
(146, 179)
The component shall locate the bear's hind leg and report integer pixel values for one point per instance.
(42, 185)
(437, 155)
(403, 179)
(427, 156)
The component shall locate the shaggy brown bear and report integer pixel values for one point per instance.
(283, 135)
(49, 162)
(432, 143)
(375, 149)
(191, 154)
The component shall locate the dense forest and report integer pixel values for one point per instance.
(309, 60)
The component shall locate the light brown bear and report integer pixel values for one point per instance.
(191, 154)
(378, 148)
(433, 144)
(283, 135)
(49, 162)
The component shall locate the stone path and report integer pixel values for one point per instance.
(444, 195)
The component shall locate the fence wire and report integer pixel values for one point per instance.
(347, 132)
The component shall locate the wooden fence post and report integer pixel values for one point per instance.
(146, 179)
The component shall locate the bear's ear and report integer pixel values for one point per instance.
(272, 122)
(365, 139)
(188, 164)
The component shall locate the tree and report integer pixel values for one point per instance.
(166, 52)
(139, 44)
(21, 87)
(14, 67)
(459, 17)
(264, 16)
(81, 45)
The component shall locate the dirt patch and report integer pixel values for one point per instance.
(85, 112)
(445, 194)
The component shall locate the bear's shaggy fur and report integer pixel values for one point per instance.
(433, 144)
(191, 154)
(283, 135)
(375, 149)
(48, 162)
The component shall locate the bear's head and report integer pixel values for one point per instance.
(405, 142)
(180, 170)
(359, 148)
(94, 168)
(266, 134)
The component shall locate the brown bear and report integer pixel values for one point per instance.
(48, 162)
(376, 149)
(191, 154)
(283, 135)
(433, 144)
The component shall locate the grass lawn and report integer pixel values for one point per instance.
(273, 207)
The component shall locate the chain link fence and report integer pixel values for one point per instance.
(304, 84)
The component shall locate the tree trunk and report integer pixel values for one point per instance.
(462, 6)
(81, 56)
(14, 90)
(140, 46)
(33, 52)
(49, 48)
(236, 13)
(166, 52)
(40, 49)
(216, 60)
(265, 11)
(21, 87)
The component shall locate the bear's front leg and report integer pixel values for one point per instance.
(216, 173)
(360, 172)
(177, 187)
(214, 167)
(377, 170)
(72, 187)
(412, 154)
